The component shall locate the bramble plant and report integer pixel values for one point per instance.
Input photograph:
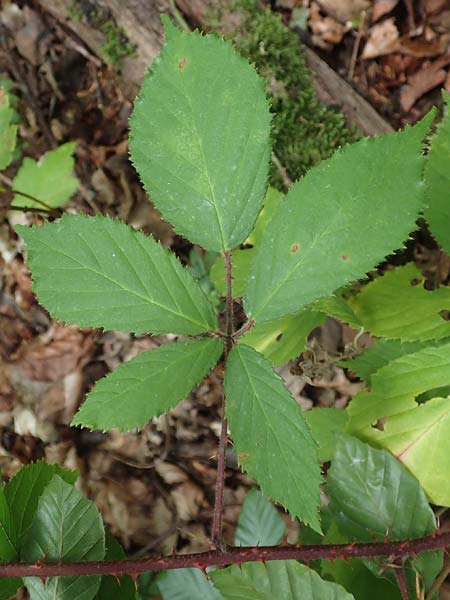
(200, 142)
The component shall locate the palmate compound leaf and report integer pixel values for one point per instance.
(437, 180)
(50, 179)
(397, 306)
(338, 222)
(373, 496)
(272, 440)
(67, 527)
(283, 580)
(200, 139)
(148, 385)
(99, 272)
(418, 435)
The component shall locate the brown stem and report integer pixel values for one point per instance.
(216, 533)
(400, 576)
(238, 555)
(246, 327)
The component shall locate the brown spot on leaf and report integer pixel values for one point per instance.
(415, 281)
(295, 248)
(379, 424)
(279, 336)
(444, 314)
(344, 257)
(181, 63)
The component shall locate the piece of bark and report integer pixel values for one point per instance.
(140, 19)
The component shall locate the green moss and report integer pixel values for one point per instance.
(304, 131)
(116, 45)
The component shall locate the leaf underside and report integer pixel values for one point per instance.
(272, 440)
(200, 139)
(99, 272)
(313, 244)
(259, 523)
(148, 385)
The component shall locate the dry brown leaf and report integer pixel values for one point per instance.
(382, 7)
(187, 498)
(383, 39)
(170, 473)
(424, 80)
(344, 10)
(326, 31)
(422, 48)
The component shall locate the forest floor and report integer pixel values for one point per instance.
(155, 488)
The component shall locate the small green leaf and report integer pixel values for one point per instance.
(437, 180)
(50, 179)
(397, 306)
(326, 424)
(272, 440)
(66, 527)
(283, 580)
(373, 496)
(9, 586)
(8, 533)
(200, 139)
(259, 523)
(379, 355)
(8, 131)
(336, 306)
(99, 272)
(111, 588)
(26, 487)
(148, 385)
(186, 584)
(313, 244)
(283, 339)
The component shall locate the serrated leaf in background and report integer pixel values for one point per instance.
(330, 231)
(100, 272)
(148, 385)
(283, 339)
(283, 580)
(326, 424)
(50, 179)
(420, 439)
(200, 139)
(110, 587)
(373, 495)
(437, 180)
(271, 438)
(8, 130)
(379, 355)
(337, 307)
(395, 388)
(8, 534)
(66, 527)
(397, 306)
(26, 487)
(259, 523)
(186, 584)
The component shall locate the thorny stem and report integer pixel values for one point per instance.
(216, 533)
(238, 555)
(400, 576)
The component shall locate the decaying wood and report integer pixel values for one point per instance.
(141, 22)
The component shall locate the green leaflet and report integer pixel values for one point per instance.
(283, 339)
(373, 496)
(420, 438)
(336, 306)
(394, 389)
(200, 139)
(99, 272)
(67, 527)
(8, 130)
(259, 523)
(313, 244)
(50, 179)
(437, 180)
(186, 584)
(379, 355)
(326, 424)
(148, 385)
(397, 306)
(283, 580)
(26, 487)
(8, 533)
(273, 443)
